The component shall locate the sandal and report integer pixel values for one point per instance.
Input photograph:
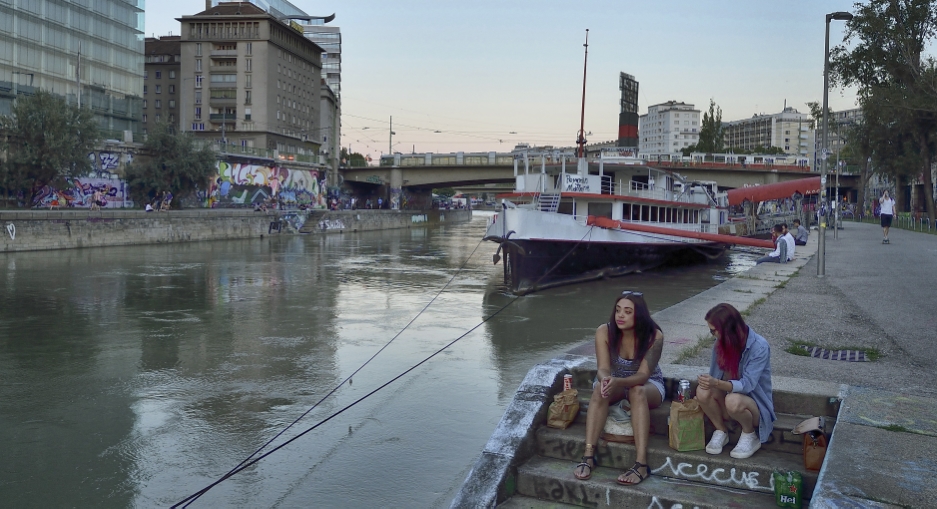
(585, 463)
(634, 470)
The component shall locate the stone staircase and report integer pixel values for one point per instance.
(692, 479)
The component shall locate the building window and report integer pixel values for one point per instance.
(146, 74)
(249, 49)
(198, 81)
(247, 81)
(198, 65)
(198, 48)
(159, 89)
(157, 117)
(198, 98)
(247, 114)
(159, 74)
(247, 97)
(144, 118)
(198, 113)
(247, 65)
(157, 104)
(172, 75)
(172, 103)
(144, 89)
(172, 89)
(144, 104)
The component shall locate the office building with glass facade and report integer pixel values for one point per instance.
(40, 41)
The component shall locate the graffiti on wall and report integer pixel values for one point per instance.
(245, 184)
(80, 191)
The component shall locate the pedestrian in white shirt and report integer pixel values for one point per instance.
(888, 212)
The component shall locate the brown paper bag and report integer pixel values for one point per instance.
(686, 426)
(564, 409)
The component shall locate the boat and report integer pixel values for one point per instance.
(607, 217)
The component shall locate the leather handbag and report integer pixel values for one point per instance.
(814, 442)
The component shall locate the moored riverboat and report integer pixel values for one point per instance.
(558, 228)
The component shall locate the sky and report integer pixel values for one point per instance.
(484, 75)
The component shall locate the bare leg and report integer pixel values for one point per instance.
(595, 421)
(743, 409)
(713, 403)
(642, 398)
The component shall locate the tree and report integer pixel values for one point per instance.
(882, 56)
(46, 140)
(445, 192)
(711, 134)
(170, 162)
(353, 160)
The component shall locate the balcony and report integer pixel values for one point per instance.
(224, 52)
(218, 118)
(222, 84)
(222, 101)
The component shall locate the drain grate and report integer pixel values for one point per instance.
(836, 355)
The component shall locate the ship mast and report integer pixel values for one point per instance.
(581, 137)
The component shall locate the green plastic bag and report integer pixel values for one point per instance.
(788, 489)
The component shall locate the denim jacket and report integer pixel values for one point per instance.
(755, 379)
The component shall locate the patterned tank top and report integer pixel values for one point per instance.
(623, 368)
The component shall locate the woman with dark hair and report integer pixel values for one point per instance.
(627, 350)
(738, 385)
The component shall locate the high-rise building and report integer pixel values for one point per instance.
(628, 116)
(789, 130)
(250, 79)
(162, 67)
(40, 42)
(668, 128)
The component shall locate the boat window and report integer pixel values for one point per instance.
(635, 213)
(645, 213)
(655, 214)
(565, 207)
(600, 210)
(686, 216)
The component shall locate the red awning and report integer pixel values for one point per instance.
(774, 191)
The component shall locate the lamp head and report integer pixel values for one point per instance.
(839, 16)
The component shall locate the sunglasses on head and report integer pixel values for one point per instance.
(629, 292)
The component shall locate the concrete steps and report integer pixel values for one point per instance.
(688, 479)
(550, 480)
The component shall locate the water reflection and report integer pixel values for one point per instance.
(134, 376)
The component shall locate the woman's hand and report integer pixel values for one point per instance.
(706, 382)
(606, 385)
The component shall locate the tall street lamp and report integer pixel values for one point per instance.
(821, 248)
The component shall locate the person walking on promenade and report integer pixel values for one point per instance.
(888, 212)
(779, 255)
(800, 238)
(738, 385)
(627, 352)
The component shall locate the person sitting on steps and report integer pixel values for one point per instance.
(627, 352)
(800, 238)
(780, 254)
(738, 386)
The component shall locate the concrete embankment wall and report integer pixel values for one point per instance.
(323, 221)
(37, 230)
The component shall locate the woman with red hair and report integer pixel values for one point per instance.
(738, 385)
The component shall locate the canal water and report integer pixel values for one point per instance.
(135, 376)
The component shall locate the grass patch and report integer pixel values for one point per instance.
(797, 348)
(702, 342)
(782, 284)
(896, 428)
(755, 304)
(743, 291)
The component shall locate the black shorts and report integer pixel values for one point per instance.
(886, 220)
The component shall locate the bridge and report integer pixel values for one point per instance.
(421, 172)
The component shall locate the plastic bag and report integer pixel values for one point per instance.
(686, 426)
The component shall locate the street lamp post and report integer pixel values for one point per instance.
(821, 248)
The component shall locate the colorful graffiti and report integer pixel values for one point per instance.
(80, 192)
(244, 184)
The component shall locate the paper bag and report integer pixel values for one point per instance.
(564, 409)
(788, 489)
(686, 426)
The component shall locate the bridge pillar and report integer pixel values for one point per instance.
(396, 185)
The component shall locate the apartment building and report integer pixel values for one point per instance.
(789, 130)
(250, 79)
(45, 43)
(667, 128)
(161, 71)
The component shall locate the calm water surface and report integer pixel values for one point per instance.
(134, 376)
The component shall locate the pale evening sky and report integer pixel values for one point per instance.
(480, 71)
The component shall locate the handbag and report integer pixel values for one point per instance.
(814, 442)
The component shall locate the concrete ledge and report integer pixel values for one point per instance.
(493, 477)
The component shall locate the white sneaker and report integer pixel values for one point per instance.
(748, 444)
(717, 442)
